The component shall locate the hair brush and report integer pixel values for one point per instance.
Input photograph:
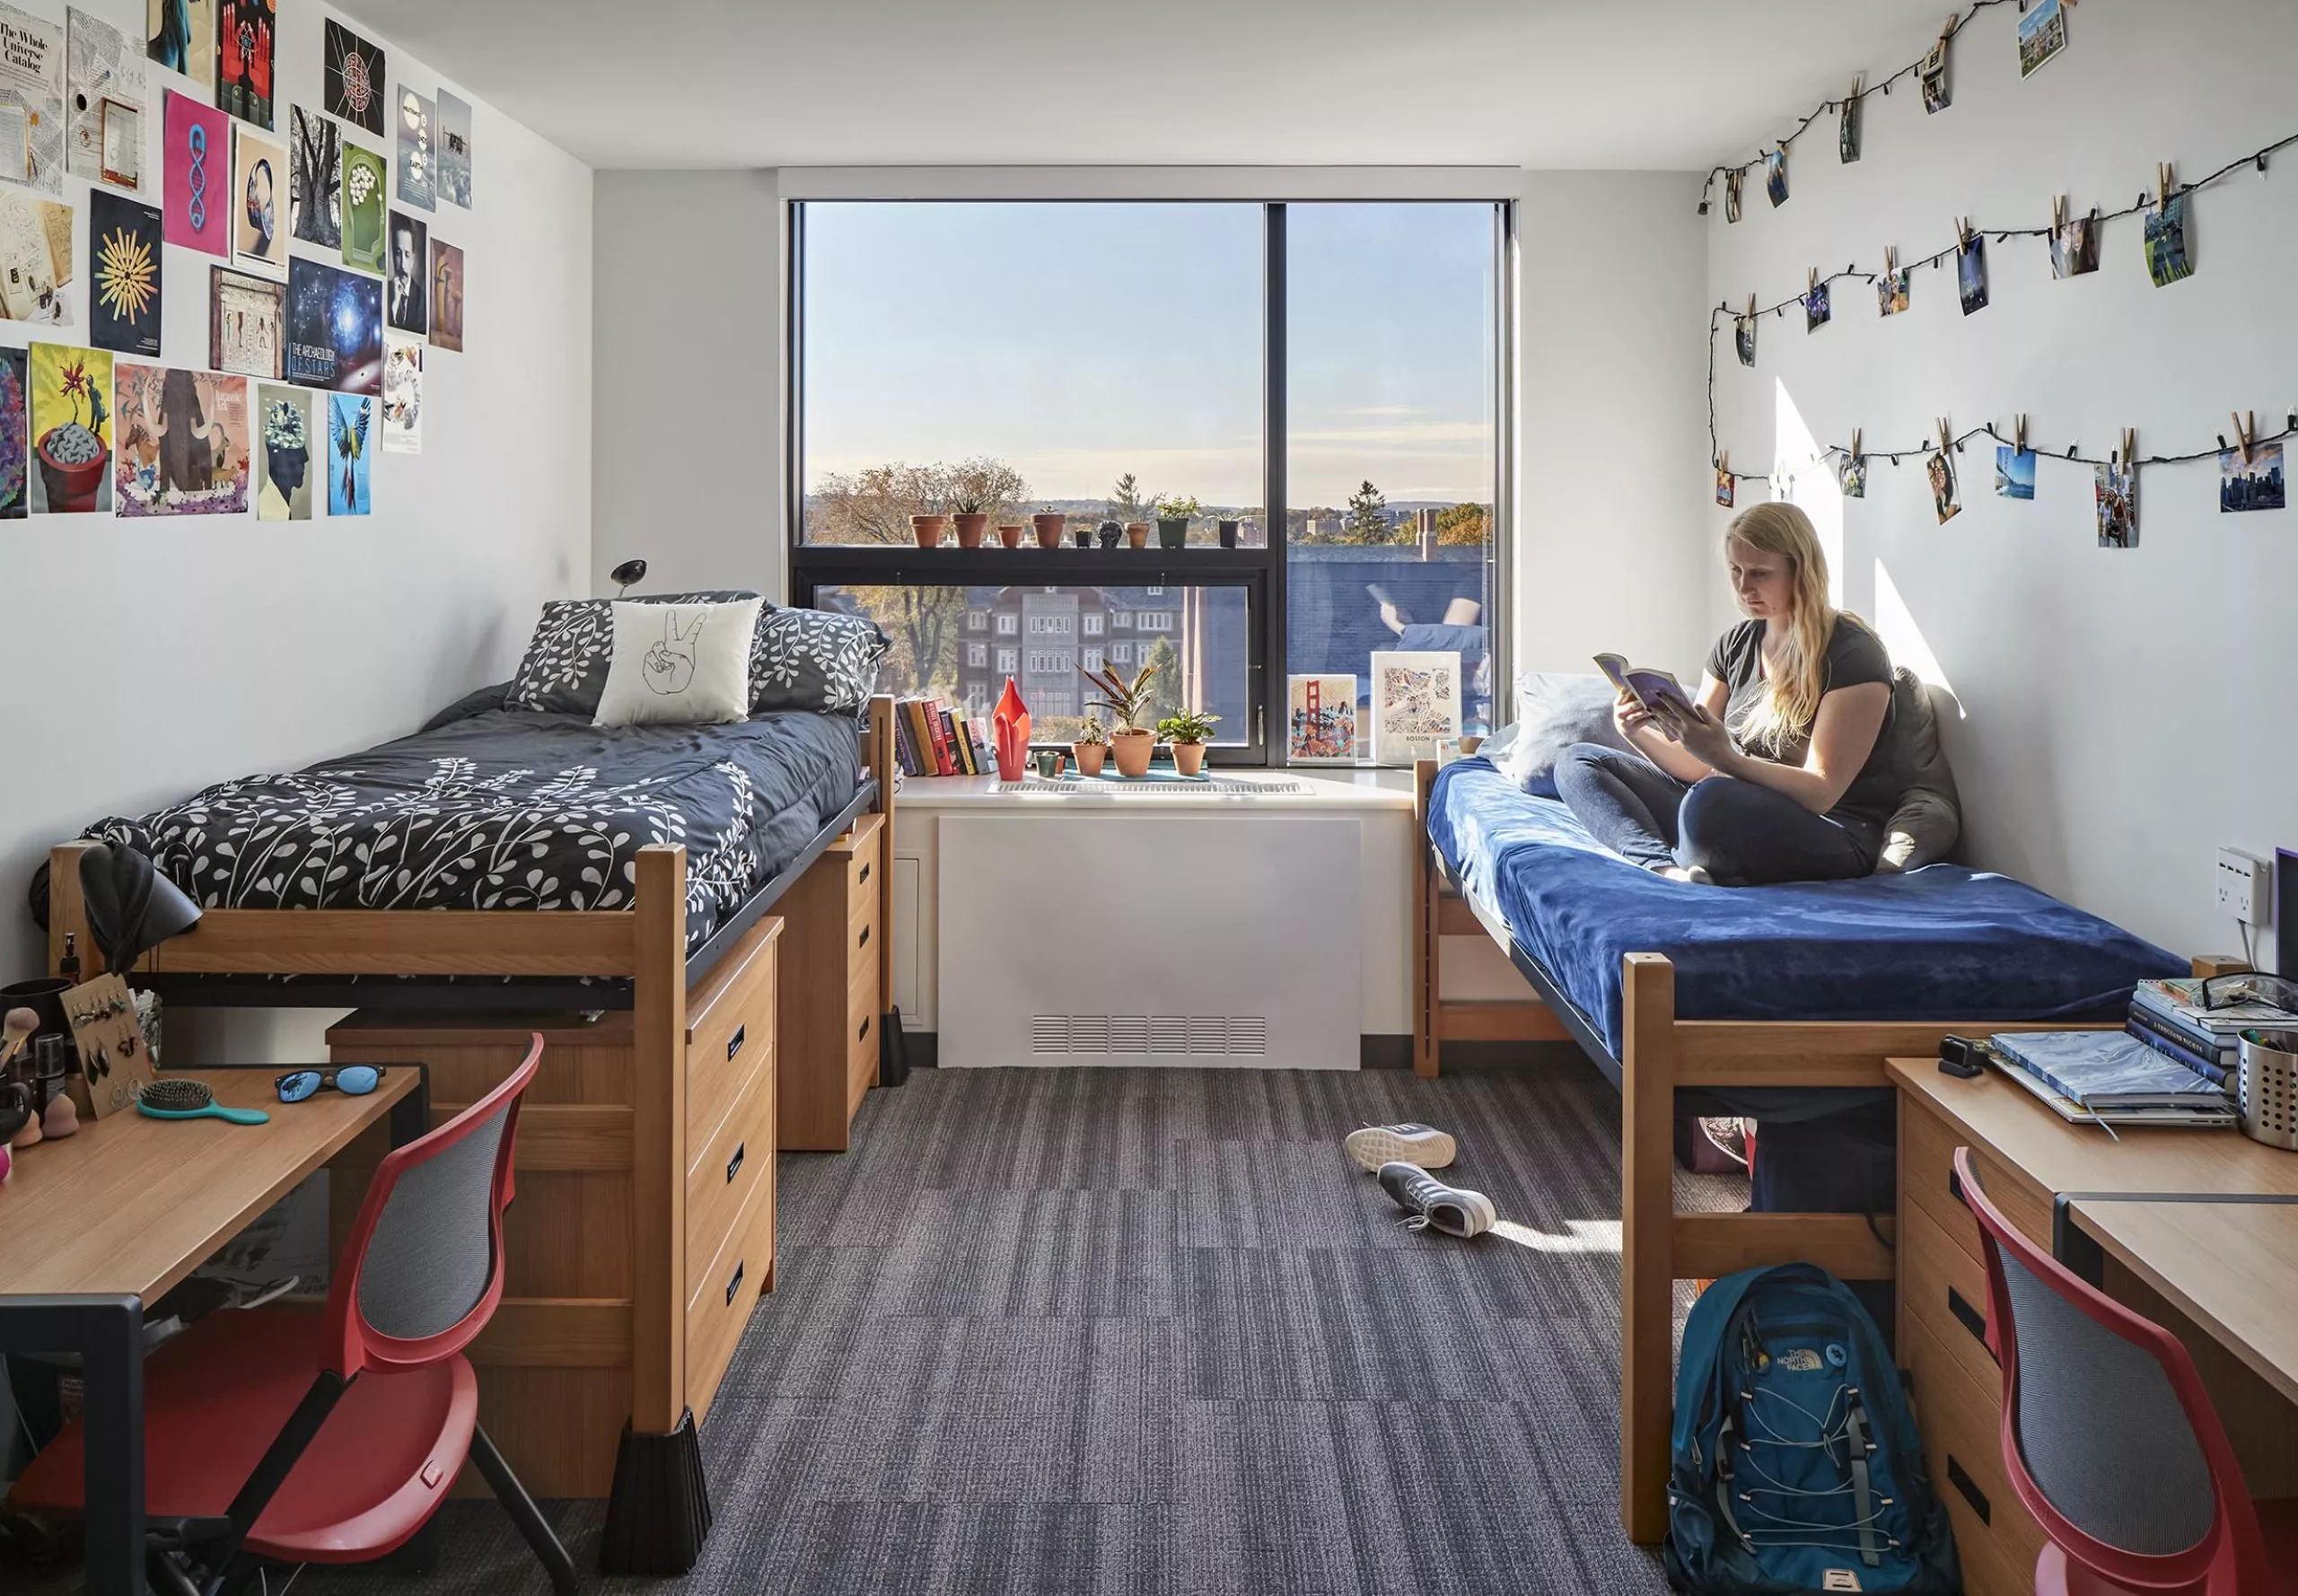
(180, 1099)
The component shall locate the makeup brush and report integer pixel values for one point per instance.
(15, 1031)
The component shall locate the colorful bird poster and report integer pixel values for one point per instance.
(196, 171)
(283, 465)
(363, 208)
(247, 329)
(183, 442)
(259, 170)
(446, 295)
(354, 78)
(103, 87)
(16, 450)
(453, 146)
(32, 99)
(71, 430)
(349, 418)
(315, 179)
(417, 175)
(244, 32)
(180, 35)
(403, 398)
(335, 327)
(124, 265)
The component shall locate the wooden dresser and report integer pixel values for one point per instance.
(2026, 1155)
(835, 974)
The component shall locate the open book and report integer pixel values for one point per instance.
(1648, 685)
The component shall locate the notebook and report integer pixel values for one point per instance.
(2108, 1069)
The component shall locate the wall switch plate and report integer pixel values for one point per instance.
(2242, 886)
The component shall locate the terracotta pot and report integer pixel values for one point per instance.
(70, 487)
(1010, 536)
(1090, 755)
(1172, 531)
(1137, 534)
(1189, 757)
(928, 530)
(973, 526)
(1048, 525)
(1132, 747)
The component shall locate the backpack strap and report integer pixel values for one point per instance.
(1726, 1481)
(1862, 1496)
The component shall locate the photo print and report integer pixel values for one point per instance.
(1816, 309)
(1847, 130)
(2167, 260)
(1851, 474)
(71, 430)
(2074, 246)
(258, 183)
(403, 398)
(1941, 472)
(283, 465)
(32, 99)
(246, 324)
(1775, 176)
(453, 146)
(1415, 703)
(363, 208)
(1891, 291)
(1321, 719)
(245, 31)
(1970, 273)
(16, 444)
(1936, 95)
(335, 327)
(446, 295)
(2117, 486)
(197, 170)
(103, 102)
(35, 258)
(180, 35)
(1734, 180)
(2042, 34)
(183, 442)
(1725, 486)
(314, 179)
(407, 290)
(355, 79)
(416, 176)
(350, 419)
(2015, 472)
(1744, 338)
(2252, 483)
(124, 266)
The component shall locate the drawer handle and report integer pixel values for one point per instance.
(734, 1042)
(734, 1165)
(1972, 1492)
(1971, 1317)
(734, 1285)
(864, 879)
(864, 941)
(864, 1030)
(1955, 1186)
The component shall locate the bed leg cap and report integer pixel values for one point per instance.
(659, 1513)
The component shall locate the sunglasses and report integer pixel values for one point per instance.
(354, 1080)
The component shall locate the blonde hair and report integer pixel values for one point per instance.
(1796, 683)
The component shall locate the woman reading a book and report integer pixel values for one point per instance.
(1784, 767)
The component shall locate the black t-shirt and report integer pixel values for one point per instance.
(1855, 655)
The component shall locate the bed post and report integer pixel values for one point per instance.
(1646, 1241)
(886, 768)
(1425, 944)
(68, 911)
(659, 1513)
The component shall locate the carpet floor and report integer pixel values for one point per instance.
(1141, 1332)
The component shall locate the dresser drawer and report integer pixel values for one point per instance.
(1927, 1145)
(722, 1297)
(736, 1161)
(1962, 1452)
(864, 863)
(1944, 1288)
(730, 1031)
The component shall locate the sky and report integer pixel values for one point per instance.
(1082, 341)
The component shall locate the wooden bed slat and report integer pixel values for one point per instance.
(325, 942)
(1527, 1021)
(1455, 917)
(1711, 1245)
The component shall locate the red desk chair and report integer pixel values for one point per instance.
(279, 1433)
(2110, 1439)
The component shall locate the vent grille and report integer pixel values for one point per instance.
(1148, 1036)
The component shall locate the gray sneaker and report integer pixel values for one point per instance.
(1376, 1145)
(1433, 1204)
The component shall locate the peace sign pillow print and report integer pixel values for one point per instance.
(684, 664)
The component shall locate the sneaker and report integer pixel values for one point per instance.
(1376, 1145)
(1447, 1208)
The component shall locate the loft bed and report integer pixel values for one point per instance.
(1666, 987)
(684, 941)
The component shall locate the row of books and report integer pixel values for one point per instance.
(932, 739)
(2168, 1065)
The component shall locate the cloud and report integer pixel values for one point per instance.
(1385, 410)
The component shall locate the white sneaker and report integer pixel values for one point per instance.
(1376, 1145)
(1432, 1204)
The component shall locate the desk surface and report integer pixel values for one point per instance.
(132, 1205)
(2231, 1267)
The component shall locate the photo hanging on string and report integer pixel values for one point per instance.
(1816, 309)
(2074, 246)
(1936, 96)
(1851, 475)
(1891, 291)
(2118, 490)
(1846, 131)
(1970, 273)
(1724, 487)
(2015, 472)
(2167, 259)
(1732, 181)
(1775, 176)
(2042, 34)
(1941, 472)
(2252, 483)
(1744, 338)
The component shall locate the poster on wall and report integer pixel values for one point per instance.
(32, 99)
(335, 327)
(35, 260)
(350, 418)
(403, 398)
(415, 173)
(452, 128)
(355, 79)
(247, 323)
(408, 290)
(15, 450)
(1321, 719)
(71, 430)
(446, 295)
(258, 165)
(1416, 702)
(315, 179)
(124, 262)
(196, 167)
(103, 102)
(283, 466)
(244, 33)
(183, 442)
(180, 35)
(363, 208)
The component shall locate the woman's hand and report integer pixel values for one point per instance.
(1700, 734)
(1630, 717)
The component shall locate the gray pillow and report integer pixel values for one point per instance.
(818, 660)
(564, 668)
(1554, 710)
(1922, 829)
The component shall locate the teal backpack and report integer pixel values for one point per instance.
(1796, 1467)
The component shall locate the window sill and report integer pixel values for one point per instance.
(1328, 789)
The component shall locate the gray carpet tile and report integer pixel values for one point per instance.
(1149, 1333)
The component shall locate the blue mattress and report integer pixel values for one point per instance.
(1943, 942)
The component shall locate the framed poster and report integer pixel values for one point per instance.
(1320, 719)
(1415, 701)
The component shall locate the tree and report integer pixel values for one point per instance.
(1368, 517)
(1128, 503)
(1463, 525)
(1167, 691)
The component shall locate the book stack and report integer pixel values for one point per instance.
(2169, 1016)
(2110, 1078)
(932, 739)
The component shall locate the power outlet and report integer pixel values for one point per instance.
(2242, 886)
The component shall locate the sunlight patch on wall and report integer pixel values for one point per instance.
(1895, 625)
(1801, 475)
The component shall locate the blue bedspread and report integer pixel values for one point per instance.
(1943, 942)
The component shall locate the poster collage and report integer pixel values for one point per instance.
(315, 356)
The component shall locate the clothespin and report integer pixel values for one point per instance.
(1855, 453)
(2019, 432)
(1751, 307)
(2246, 425)
(1723, 462)
(1964, 232)
(1946, 435)
(1811, 283)
(2057, 212)
(1857, 78)
(2129, 447)
(2163, 184)
(1890, 261)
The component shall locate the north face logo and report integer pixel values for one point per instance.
(1803, 1360)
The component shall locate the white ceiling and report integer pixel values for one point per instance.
(1668, 84)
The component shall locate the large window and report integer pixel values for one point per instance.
(1317, 385)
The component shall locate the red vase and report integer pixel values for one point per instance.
(1010, 725)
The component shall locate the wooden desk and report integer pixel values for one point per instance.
(94, 1227)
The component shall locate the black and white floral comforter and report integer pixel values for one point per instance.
(512, 810)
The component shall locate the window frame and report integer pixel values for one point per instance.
(1260, 572)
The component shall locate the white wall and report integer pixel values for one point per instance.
(143, 659)
(2120, 710)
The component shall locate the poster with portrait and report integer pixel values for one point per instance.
(1416, 702)
(314, 179)
(1321, 719)
(32, 99)
(245, 31)
(403, 398)
(349, 455)
(259, 178)
(247, 329)
(446, 295)
(103, 102)
(406, 286)
(16, 444)
(354, 78)
(183, 442)
(363, 208)
(283, 461)
(453, 144)
(196, 169)
(180, 35)
(417, 175)
(71, 430)
(124, 265)
(35, 258)
(335, 327)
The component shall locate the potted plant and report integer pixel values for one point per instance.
(1228, 530)
(1091, 747)
(1137, 534)
(973, 521)
(927, 529)
(1186, 730)
(1010, 534)
(1047, 524)
(1132, 743)
(73, 457)
(1173, 515)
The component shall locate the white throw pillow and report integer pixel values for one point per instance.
(687, 664)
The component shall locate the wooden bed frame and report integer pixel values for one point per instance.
(658, 1473)
(1661, 1053)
